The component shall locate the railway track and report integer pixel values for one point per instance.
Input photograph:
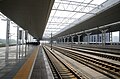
(107, 68)
(111, 50)
(96, 52)
(60, 69)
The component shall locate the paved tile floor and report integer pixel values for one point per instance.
(6, 67)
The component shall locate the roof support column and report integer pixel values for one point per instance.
(67, 39)
(64, 39)
(7, 40)
(60, 39)
(97, 41)
(104, 36)
(26, 38)
(119, 37)
(72, 39)
(88, 37)
(110, 36)
(17, 42)
(51, 41)
(79, 38)
(20, 37)
(22, 42)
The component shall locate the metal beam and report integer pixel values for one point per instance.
(73, 11)
(53, 28)
(50, 31)
(79, 2)
(57, 22)
(61, 17)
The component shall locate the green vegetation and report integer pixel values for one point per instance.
(3, 41)
(12, 41)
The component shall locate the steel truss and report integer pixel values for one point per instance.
(74, 11)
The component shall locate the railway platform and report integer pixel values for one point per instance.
(33, 66)
(59, 39)
(44, 63)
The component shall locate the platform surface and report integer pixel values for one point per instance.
(9, 68)
(39, 69)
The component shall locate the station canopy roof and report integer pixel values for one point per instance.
(31, 15)
(66, 12)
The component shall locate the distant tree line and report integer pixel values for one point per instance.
(3, 42)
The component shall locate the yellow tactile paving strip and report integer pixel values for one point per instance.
(24, 71)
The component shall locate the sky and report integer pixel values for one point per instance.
(13, 30)
(2, 29)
